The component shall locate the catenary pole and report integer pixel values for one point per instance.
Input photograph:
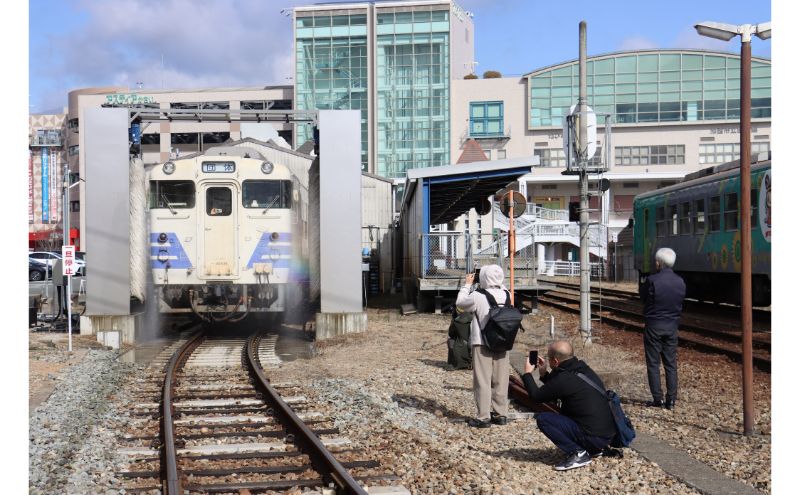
(66, 242)
(583, 147)
(746, 238)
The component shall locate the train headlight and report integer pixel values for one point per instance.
(168, 168)
(267, 167)
(162, 238)
(274, 236)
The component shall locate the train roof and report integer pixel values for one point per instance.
(710, 174)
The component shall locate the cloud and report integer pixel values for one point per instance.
(637, 43)
(688, 38)
(204, 43)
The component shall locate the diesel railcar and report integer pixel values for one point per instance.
(225, 240)
(699, 219)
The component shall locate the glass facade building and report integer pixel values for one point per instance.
(413, 91)
(650, 87)
(331, 68)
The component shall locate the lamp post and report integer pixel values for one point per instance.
(726, 32)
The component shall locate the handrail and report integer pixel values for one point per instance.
(322, 460)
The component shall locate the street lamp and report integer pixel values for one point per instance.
(726, 32)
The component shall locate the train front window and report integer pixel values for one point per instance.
(731, 211)
(218, 201)
(172, 194)
(267, 194)
(686, 218)
(714, 214)
(700, 216)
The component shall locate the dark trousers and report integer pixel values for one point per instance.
(661, 346)
(567, 435)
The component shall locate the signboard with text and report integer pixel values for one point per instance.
(68, 256)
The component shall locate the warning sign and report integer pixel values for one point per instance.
(68, 255)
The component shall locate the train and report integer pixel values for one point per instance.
(699, 219)
(225, 235)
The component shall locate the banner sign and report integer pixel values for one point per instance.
(30, 188)
(45, 185)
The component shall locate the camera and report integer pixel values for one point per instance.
(533, 358)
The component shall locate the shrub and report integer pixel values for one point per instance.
(470, 76)
(492, 74)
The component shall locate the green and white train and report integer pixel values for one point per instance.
(699, 219)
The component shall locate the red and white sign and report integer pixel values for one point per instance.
(68, 259)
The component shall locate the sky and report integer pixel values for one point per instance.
(213, 43)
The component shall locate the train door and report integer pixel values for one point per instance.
(218, 233)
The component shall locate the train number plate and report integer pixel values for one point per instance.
(218, 167)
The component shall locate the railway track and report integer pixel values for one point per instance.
(216, 424)
(702, 334)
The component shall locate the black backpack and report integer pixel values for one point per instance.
(503, 323)
(459, 352)
(625, 432)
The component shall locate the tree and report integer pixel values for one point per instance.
(492, 74)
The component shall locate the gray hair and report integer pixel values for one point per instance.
(666, 257)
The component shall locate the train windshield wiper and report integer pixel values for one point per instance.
(166, 202)
(271, 204)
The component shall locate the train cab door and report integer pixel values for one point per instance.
(219, 231)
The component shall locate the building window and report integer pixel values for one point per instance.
(73, 150)
(727, 152)
(75, 206)
(72, 125)
(501, 154)
(549, 186)
(731, 211)
(713, 214)
(671, 154)
(630, 185)
(488, 153)
(486, 118)
(154, 138)
(553, 157)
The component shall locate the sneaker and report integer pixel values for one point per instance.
(654, 403)
(478, 423)
(576, 460)
(670, 404)
(606, 452)
(499, 420)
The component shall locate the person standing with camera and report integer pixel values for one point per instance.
(585, 426)
(489, 369)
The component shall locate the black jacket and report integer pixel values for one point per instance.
(579, 401)
(663, 294)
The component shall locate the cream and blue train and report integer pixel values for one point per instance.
(225, 241)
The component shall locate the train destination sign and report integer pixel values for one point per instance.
(219, 167)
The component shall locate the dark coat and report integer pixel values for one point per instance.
(579, 401)
(662, 294)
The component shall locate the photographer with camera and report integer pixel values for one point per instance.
(585, 426)
(489, 368)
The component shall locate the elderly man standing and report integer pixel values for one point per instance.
(489, 369)
(662, 293)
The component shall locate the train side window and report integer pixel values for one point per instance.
(174, 194)
(673, 217)
(646, 222)
(218, 201)
(661, 221)
(700, 216)
(686, 218)
(731, 211)
(753, 208)
(714, 214)
(267, 194)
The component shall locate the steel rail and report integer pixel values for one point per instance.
(171, 476)
(322, 460)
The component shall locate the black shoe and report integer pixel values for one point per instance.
(499, 420)
(606, 452)
(478, 423)
(670, 404)
(654, 403)
(576, 460)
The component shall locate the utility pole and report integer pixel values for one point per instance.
(582, 155)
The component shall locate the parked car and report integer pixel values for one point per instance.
(38, 271)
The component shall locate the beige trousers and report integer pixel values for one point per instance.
(490, 381)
